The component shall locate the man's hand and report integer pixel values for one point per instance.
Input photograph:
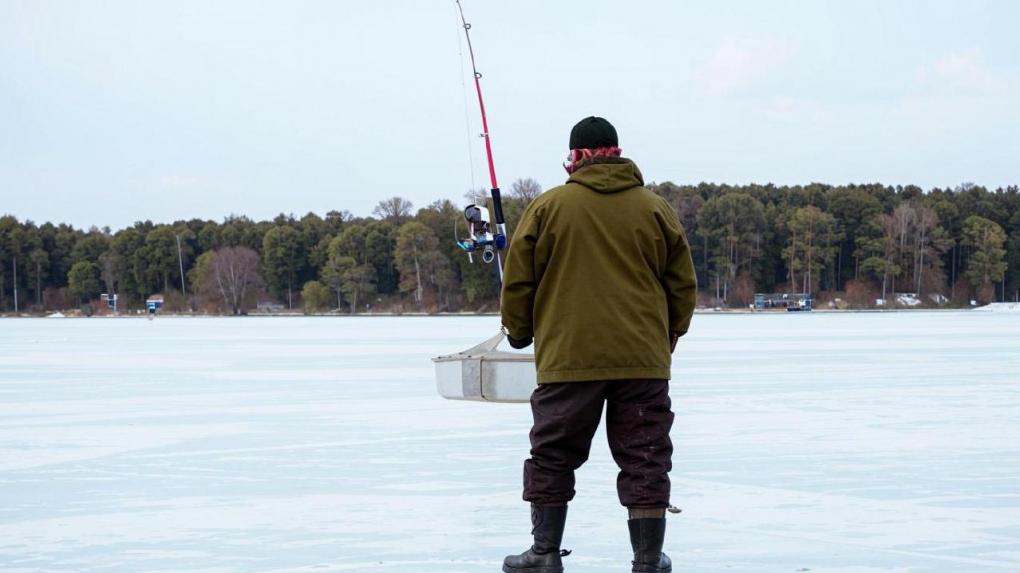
(519, 343)
(673, 337)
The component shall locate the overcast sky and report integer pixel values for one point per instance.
(112, 112)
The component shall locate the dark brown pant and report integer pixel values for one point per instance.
(638, 420)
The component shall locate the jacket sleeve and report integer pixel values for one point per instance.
(517, 299)
(679, 279)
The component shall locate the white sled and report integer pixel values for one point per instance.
(484, 374)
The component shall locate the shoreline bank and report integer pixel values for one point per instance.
(997, 307)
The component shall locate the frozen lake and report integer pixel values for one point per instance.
(804, 442)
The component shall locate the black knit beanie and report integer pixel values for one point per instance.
(592, 133)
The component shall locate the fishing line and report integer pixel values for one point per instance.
(467, 116)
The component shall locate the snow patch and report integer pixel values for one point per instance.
(1000, 307)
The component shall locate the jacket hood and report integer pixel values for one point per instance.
(608, 175)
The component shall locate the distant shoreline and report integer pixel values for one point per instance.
(469, 314)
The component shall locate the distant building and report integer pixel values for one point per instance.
(788, 301)
(153, 304)
(110, 300)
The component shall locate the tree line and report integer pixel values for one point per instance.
(856, 243)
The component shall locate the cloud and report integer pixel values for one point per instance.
(739, 63)
(962, 72)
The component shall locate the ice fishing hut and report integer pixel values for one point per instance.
(154, 303)
(790, 301)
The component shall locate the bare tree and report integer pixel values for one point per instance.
(479, 196)
(109, 265)
(925, 222)
(903, 220)
(914, 242)
(526, 189)
(40, 259)
(233, 274)
(395, 209)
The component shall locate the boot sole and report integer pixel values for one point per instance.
(509, 569)
(649, 569)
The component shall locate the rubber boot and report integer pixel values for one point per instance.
(544, 556)
(646, 536)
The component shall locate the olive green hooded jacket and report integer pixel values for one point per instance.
(599, 272)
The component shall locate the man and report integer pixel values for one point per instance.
(599, 275)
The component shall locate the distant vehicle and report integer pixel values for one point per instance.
(907, 299)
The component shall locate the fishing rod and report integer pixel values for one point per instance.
(482, 236)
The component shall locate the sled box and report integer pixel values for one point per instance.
(485, 374)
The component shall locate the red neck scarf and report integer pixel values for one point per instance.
(578, 156)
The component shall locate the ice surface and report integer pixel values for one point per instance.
(874, 442)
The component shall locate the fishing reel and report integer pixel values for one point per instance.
(481, 236)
